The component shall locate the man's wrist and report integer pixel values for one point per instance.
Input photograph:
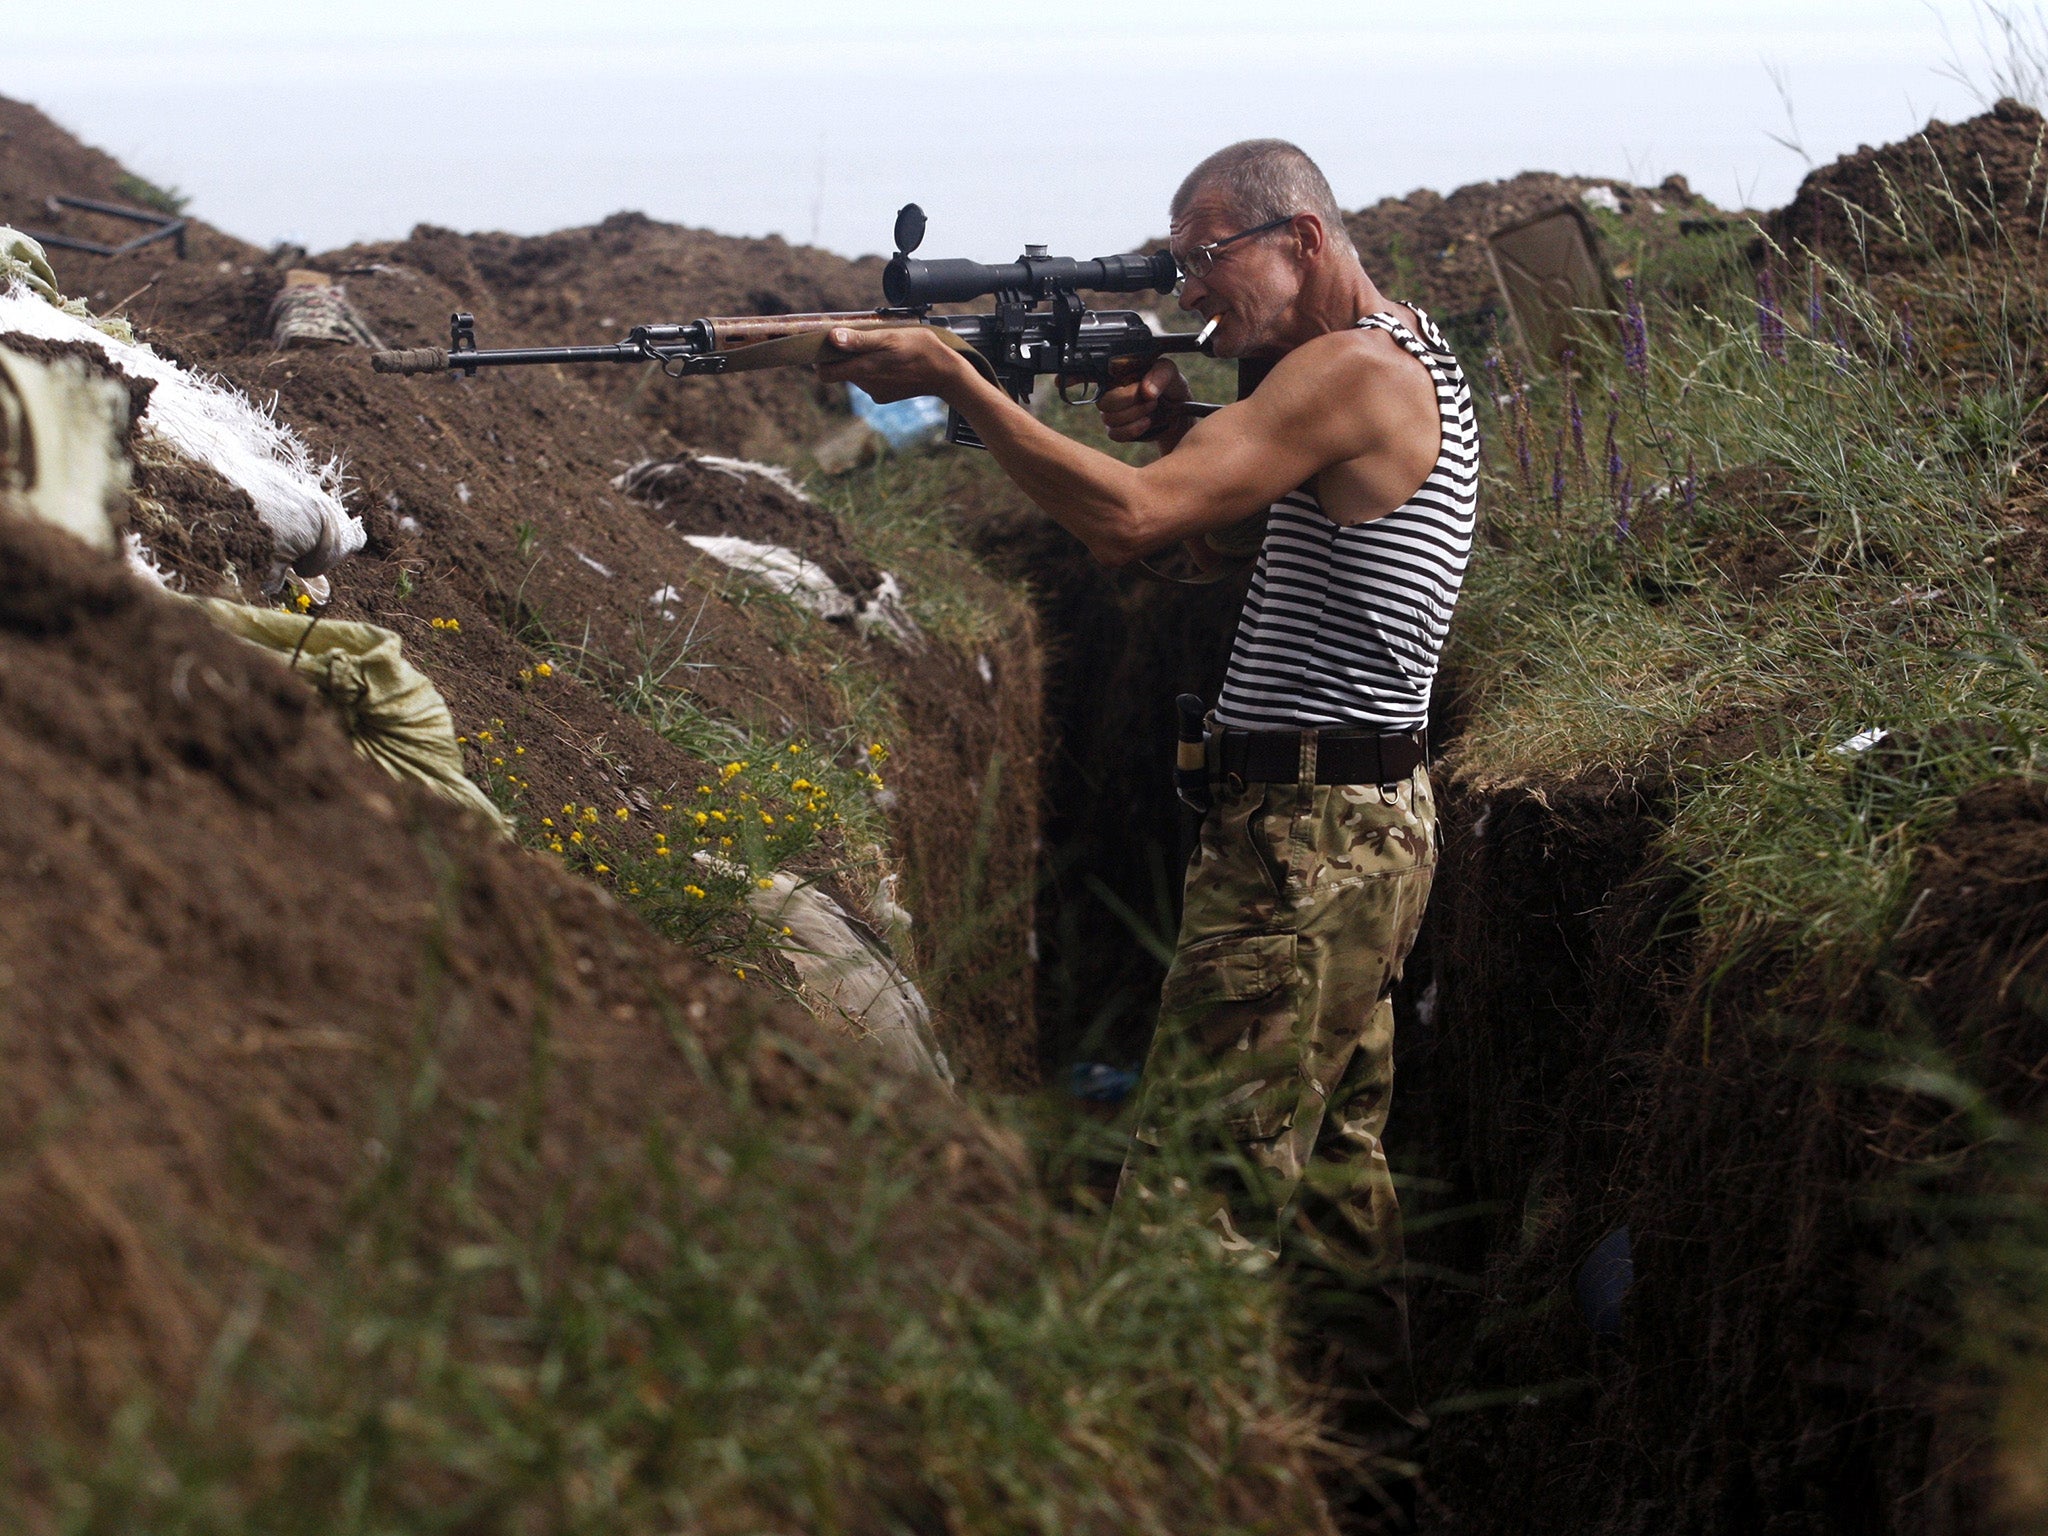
(961, 377)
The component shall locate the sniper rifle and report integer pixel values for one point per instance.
(1039, 326)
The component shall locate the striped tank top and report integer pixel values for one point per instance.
(1343, 625)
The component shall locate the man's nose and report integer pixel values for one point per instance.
(1191, 291)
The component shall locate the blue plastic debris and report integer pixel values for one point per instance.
(903, 424)
(1603, 1280)
(1100, 1083)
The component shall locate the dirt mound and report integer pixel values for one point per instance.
(1880, 210)
(220, 921)
(498, 540)
(629, 269)
(350, 1157)
(1432, 249)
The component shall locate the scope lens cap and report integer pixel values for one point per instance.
(909, 228)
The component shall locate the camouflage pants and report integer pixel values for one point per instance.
(1275, 1042)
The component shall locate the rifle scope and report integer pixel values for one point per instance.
(910, 283)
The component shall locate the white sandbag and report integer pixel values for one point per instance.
(806, 583)
(849, 975)
(210, 421)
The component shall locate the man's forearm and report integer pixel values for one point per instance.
(1100, 500)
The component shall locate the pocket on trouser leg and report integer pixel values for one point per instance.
(1229, 1040)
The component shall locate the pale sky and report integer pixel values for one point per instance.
(327, 123)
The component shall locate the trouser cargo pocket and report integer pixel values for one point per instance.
(1229, 1014)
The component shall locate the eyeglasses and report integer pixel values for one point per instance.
(1200, 260)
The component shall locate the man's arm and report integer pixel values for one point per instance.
(1338, 397)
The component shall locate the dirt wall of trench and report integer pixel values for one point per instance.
(1781, 1363)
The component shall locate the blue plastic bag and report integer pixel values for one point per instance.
(903, 424)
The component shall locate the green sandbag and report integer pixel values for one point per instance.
(23, 258)
(393, 714)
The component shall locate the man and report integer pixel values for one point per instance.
(1316, 854)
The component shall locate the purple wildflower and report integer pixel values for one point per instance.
(1635, 347)
(1612, 451)
(1573, 409)
(1524, 456)
(1557, 473)
(1816, 306)
(1770, 324)
(1621, 506)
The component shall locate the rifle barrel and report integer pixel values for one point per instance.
(438, 359)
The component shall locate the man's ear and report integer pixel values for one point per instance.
(1310, 236)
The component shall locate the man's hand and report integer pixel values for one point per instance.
(1131, 411)
(893, 364)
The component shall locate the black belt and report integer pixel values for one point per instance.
(1342, 757)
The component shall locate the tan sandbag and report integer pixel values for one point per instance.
(849, 978)
(392, 713)
(23, 259)
(61, 459)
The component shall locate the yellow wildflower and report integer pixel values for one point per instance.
(764, 882)
(543, 669)
(622, 813)
(603, 869)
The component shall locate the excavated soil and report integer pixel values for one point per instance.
(223, 927)
(1876, 210)
(489, 502)
(1432, 249)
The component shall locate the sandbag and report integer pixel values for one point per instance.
(849, 977)
(61, 459)
(23, 259)
(391, 712)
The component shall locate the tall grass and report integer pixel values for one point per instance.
(1808, 508)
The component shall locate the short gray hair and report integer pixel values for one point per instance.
(1262, 180)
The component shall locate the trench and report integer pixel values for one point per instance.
(1550, 1093)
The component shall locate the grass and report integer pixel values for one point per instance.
(810, 1303)
(1803, 513)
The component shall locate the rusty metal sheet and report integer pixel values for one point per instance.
(1550, 273)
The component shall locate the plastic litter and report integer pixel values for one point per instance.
(60, 445)
(917, 422)
(1603, 1281)
(1861, 742)
(1099, 1083)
